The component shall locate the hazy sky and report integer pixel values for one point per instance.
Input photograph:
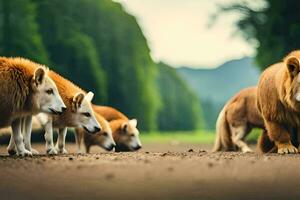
(178, 34)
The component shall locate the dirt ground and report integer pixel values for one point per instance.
(157, 172)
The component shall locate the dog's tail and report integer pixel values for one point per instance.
(265, 145)
(223, 140)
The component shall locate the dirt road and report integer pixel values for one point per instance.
(153, 173)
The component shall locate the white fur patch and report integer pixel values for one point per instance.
(89, 96)
(298, 96)
(133, 122)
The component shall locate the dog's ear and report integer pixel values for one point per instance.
(133, 122)
(89, 96)
(124, 127)
(77, 101)
(293, 65)
(39, 76)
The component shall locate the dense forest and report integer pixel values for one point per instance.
(181, 106)
(100, 47)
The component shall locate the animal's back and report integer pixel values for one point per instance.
(15, 78)
(109, 113)
(66, 88)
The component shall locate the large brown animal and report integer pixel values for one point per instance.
(238, 117)
(26, 89)
(278, 99)
(124, 131)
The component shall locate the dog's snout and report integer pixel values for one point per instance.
(137, 147)
(111, 147)
(63, 109)
(97, 129)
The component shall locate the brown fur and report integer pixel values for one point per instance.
(92, 139)
(16, 75)
(67, 91)
(277, 88)
(109, 113)
(236, 120)
(116, 121)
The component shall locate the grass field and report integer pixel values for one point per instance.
(189, 137)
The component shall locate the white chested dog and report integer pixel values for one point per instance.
(26, 90)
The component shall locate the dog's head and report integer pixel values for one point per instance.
(45, 93)
(83, 113)
(127, 136)
(104, 137)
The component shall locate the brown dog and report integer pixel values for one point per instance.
(278, 99)
(124, 131)
(236, 120)
(102, 138)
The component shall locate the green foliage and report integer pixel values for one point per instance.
(181, 108)
(272, 27)
(73, 53)
(19, 34)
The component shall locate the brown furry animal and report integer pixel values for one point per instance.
(236, 121)
(79, 113)
(102, 138)
(25, 91)
(278, 100)
(124, 131)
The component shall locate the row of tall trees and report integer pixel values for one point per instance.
(100, 47)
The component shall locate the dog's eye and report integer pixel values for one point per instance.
(87, 114)
(131, 135)
(50, 91)
(105, 134)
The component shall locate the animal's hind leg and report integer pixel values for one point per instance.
(238, 134)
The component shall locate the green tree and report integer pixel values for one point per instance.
(181, 108)
(72, 52)
(125, 57)
(272, 26)
(19, 35)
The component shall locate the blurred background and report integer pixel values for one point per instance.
(171, 64)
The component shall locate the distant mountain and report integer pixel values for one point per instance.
(216, 86)
(221, 83)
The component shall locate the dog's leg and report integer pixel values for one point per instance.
(87, 148)
(62, 132)
(26, 131)
(78, 139)
(11, 149)
(18, 138)
(238, 134)
(50, 149)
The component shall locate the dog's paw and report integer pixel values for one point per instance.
(34, 152)
(246, 150)
(62, 151)
(24, 153)
(52, 151)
